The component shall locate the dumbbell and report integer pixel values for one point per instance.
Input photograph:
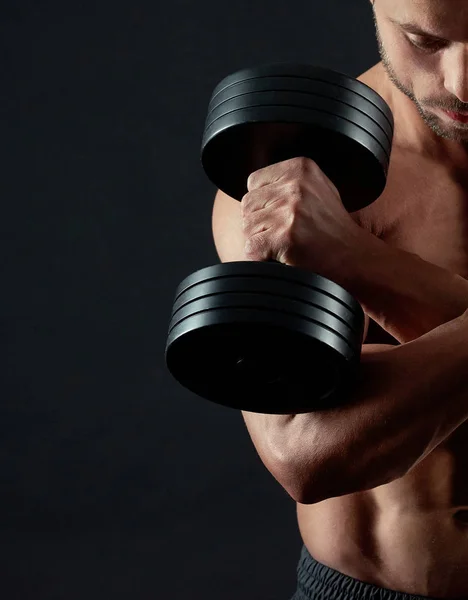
(265, 337)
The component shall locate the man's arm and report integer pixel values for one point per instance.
(407, 400)
(406, 295)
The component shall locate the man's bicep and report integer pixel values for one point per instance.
(227, 228)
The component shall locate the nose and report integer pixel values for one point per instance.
(456, 73)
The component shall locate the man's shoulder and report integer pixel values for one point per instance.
(373, 76)
(377, 79)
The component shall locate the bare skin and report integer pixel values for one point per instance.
(412, 535)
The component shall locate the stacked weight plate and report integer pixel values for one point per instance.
(265, 337)
(264, 115)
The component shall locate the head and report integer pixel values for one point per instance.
(423, 45)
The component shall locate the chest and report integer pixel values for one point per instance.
(424, 211)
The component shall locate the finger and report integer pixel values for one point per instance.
(269, 175)
(258, 221)
(258, 247)
(260, 178)
(261, 199)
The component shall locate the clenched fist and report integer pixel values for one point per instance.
(293, 214)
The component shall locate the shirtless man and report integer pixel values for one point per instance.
(381, 483)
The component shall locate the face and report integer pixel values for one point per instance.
(423, 45)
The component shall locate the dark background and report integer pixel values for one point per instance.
(116, 482)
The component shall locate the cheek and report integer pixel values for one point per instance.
(416, 71)
(407, 60)
(423, 78)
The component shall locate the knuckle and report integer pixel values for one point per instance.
(252, 181)
(294, 193)
(294, 187)
(245, 199)
(247, 204)
(303, 164)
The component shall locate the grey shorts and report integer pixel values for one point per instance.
(319, 582)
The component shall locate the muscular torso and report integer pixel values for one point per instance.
(411, 535)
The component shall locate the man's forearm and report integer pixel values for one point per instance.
(406, 402)
(406, 295)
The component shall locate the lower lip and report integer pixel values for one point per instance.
(457, 116)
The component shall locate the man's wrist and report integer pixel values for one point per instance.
(355, 269)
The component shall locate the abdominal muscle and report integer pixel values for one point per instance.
(408, 536)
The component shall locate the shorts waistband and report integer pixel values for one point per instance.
(315, 580)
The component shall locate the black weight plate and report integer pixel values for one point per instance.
(245, 141)
(291, 131)
(283, 275)
(305, 86)
(255, 319)
(306, 71)
(266, 289)
(308, 101)
(260, 362)
(271, 304)
(304, 133)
